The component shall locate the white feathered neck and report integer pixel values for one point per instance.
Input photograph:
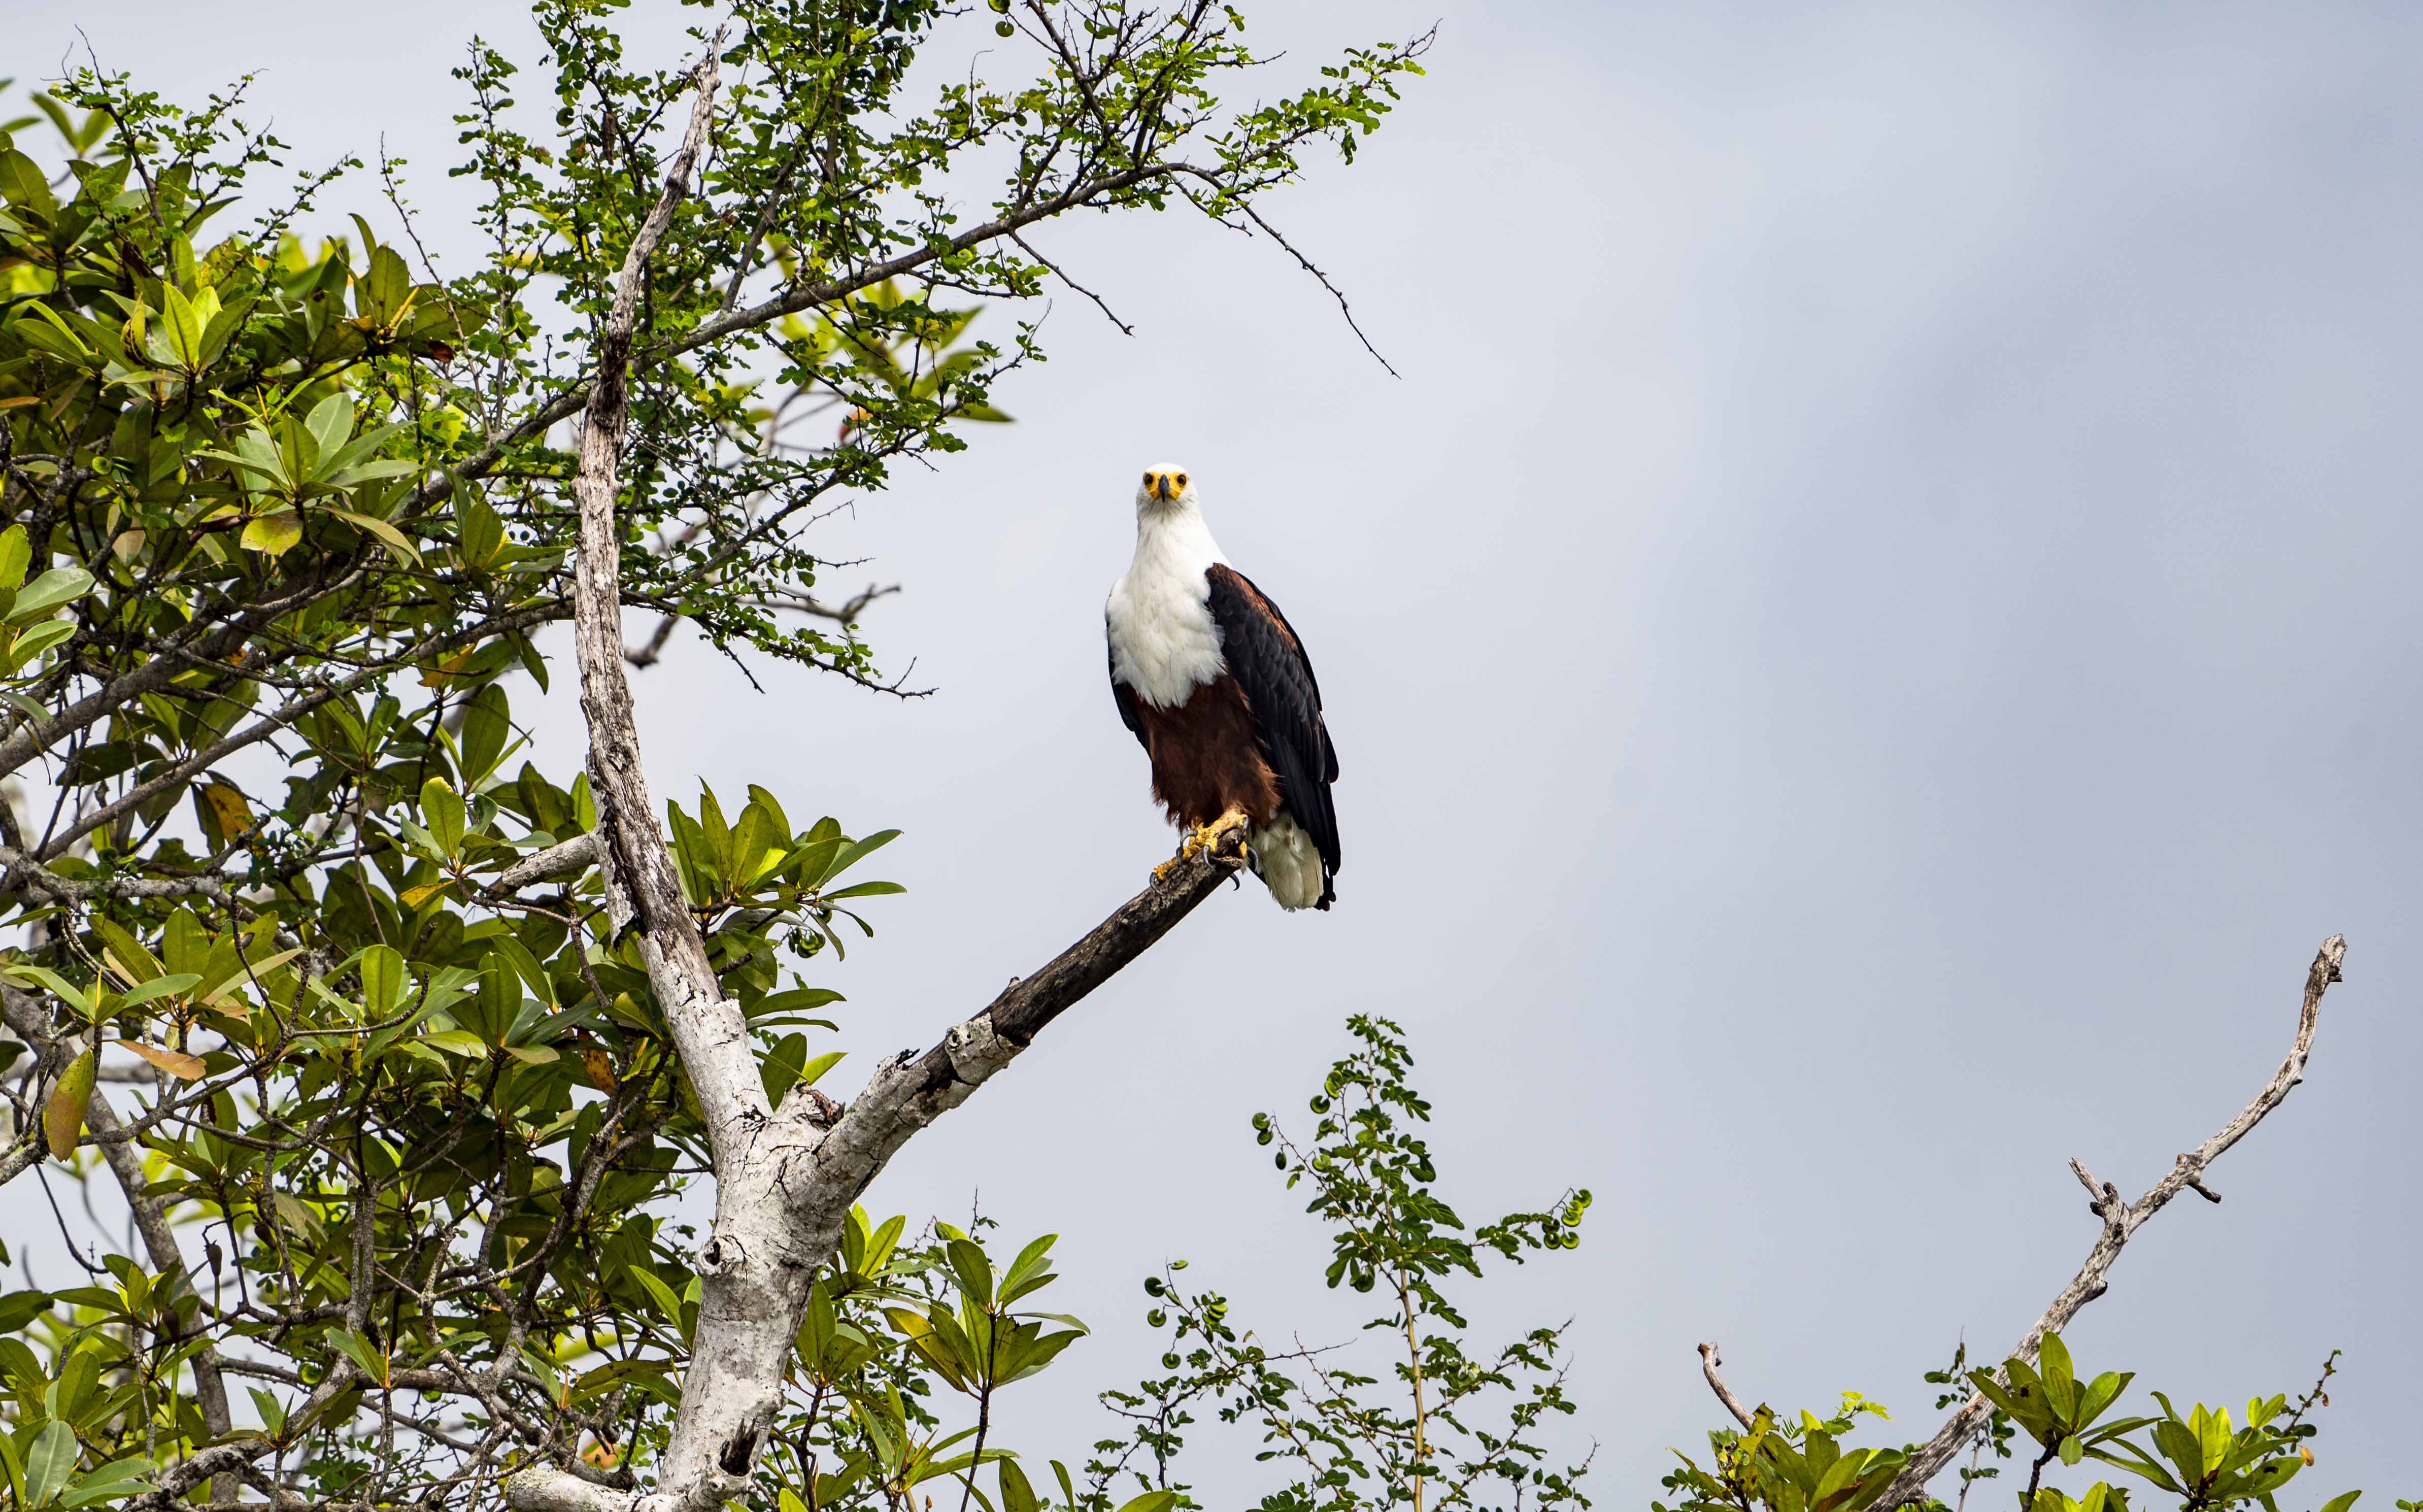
(1164, 642)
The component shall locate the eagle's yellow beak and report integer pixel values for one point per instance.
(1164, 485)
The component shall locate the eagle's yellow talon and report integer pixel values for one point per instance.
(1210, 835)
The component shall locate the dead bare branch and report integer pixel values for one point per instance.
(2121, 1220)
(1708, 1364)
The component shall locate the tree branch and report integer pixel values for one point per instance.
(642, 887)
(2122, 1219)
(1708, 1364)
(908, 1092)
(808, 1174)
(576, 854)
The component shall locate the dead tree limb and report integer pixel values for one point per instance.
(2121, 1219)
(1708, 1364)
(576, 854)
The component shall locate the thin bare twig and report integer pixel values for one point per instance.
(1125, 330)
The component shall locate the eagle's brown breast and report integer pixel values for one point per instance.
(1206, 757)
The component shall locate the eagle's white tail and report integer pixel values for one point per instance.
(1288, 863)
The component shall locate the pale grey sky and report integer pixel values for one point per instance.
(1869, 645)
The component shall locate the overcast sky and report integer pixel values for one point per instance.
(1870, 643)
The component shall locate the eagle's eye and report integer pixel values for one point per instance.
(1147, 480)
(1181, 480)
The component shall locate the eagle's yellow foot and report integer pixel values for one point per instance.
(1201, 840)
(1210, 835)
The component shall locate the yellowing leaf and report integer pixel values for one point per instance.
(223, 811)
(600, 1067)
(443, 672)
(415, 897)
(175, 1062)
(274, 534)
(63, 1119)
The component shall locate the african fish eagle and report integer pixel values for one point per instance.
(1217, 689)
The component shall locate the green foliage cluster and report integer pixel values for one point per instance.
(2199, 1458)
(1445, 1428)
(284, 516)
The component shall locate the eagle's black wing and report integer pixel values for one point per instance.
(1268, 661)
(1126, 697)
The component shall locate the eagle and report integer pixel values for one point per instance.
(1215, 686)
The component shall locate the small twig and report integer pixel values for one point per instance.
(1708, 1364)
(1125, 330)
(1334, 293)
(2317, 1396)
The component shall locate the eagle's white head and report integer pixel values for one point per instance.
(1168, 490)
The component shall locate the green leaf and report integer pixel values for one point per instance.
(398, 544)
(380, 293)
(18, 1309)
(118, 1481)
(330, 423)
(49, 1464)
(42, 596)
(15, 556)
(793, 1000)
(442, 806)
(171, 986)
(487, 724)
(850, 855)
(23, 184)
(383, 979)
(480, 535)
(1016, 1494)
(182, 326)
(12, 1462)
(866, 889)
(971, 1269)
(27, 646)
(461, 1043)
(360, 1351)
(667, 1304)
(273, 535)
